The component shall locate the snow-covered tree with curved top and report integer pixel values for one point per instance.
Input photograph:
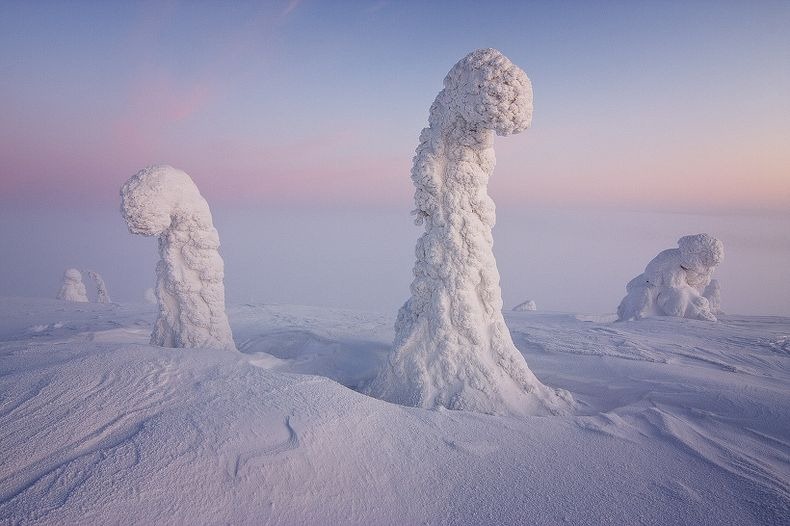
(101, 287)
(164, 202)
(72, 289)
(452, 347)
(674, 282)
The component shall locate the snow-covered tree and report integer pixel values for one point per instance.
(713, 294)
(527, 305)
(452, 347)
(164, 202)
(72, 289)
(674, 282)
(150, 296)
(101, 288)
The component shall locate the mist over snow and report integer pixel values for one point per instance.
(570, 260)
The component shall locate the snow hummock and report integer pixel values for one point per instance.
(101, 287)
(164, 202)
(528, 305)
(452, 348)
(72, 289)
(674, 282)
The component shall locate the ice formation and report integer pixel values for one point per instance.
(527, 305)
(675, 281)
(713, 294)
(452, 347)
(72, 289)
(164, 202)
(101, 288)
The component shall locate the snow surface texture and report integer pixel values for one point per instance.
(164, 202)
(713, 295)
(527, 305)
(452, 348)
(679, 421)
(72, 289)
(101, 288)
(674, 282)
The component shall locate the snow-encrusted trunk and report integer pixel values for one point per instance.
(101, 287)
(713, 295)
(162, 201)
(72, 288)
(452, 347)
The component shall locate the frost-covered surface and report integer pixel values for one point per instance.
(101, 288)
(452, 348)
(72, 288)
(164, 202)
(678, 421)
(713, 295)
(527, 305)
(674, 282)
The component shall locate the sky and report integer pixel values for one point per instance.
(312, 109)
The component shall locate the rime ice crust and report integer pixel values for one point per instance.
(528, 305)
(164, 202)
(72, 289)
(674, 283)
(452, 347)
(101, 288)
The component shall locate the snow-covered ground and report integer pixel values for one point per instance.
(679, 422)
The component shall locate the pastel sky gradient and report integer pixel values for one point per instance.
(659, 105)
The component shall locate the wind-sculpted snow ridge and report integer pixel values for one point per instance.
(101, 287)
(528, 305)
(674, 282)
(73, 289)
(164, 202)
(452, 348)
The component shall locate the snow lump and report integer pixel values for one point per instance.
(527, 305)
(72, 289)
(452, 348)
(674, 282)
(162, 201)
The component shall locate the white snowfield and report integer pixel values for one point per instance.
(452, 348)
(678, 421)
(164, 202)
(72, 288)
(675, 282)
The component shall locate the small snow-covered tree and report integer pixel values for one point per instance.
(150, 296)
(101, 288)
(72, 289)
(164, 202)
(674, 282)
(452, 347)
(713, 294)
(528, 305)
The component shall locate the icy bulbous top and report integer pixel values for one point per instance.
(156, 196)
(489, 91)
(700, 250)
